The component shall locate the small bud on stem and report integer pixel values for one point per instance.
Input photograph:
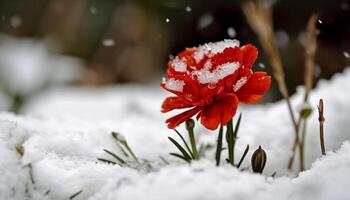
(189, 124)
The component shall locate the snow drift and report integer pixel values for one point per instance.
(64, 130)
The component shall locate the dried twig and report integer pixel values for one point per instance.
(259, 16)
(310, 51)
(321, 120)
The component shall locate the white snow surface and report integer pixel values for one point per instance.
(64, 130)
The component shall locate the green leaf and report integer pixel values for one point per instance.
(180, 156)
(243, 156)
(184, 141)
(237, 125)
(231, 137)
(115, 156)
(184, 153)
(106, 161)
(219, 147)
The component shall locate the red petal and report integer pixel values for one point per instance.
(220, 112)
(190, 92)
(249, 55)
(178, 119)
(172, 103)
(253, 90)
(227, 56)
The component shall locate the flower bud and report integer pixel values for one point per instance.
(189, 124)
(258, 160)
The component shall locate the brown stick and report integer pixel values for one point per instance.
(321, 120)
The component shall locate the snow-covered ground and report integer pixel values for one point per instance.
(63, 131)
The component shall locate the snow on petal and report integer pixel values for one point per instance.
(179, 65)
(218, 47)
(212, 48)
(242, 81)
(175, 85)
(199, 55)
(205, 76)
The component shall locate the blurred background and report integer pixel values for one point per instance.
(103, 42)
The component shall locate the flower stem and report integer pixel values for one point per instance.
(219, 147)
(230, 141)
(193, 144)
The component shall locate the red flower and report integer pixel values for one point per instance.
(211, 80)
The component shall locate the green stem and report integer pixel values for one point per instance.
(193, 144)
(229, 138)
(219, 147)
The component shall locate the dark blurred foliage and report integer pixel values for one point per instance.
(141, 34)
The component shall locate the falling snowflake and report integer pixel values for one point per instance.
(108, 42)
(188, 9)
(93, 10)
(231, 32)
(205, 20)
(16, 21)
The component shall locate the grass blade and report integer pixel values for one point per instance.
(122, 141)
(164, 160)
(243, 156)
(235, 133)
(115, 156)
(106, 161)
(219, 147)
(184, 141)
(180, 156)
(183, 151)
(237, 125)
(75, 195)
